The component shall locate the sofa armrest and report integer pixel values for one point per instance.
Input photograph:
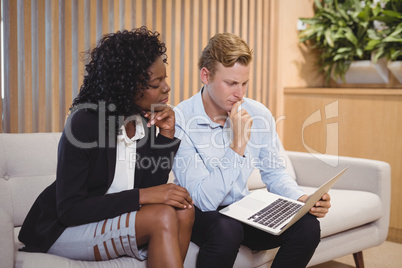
(363, 175)
(7, 240)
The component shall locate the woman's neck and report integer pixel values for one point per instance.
(130, 129)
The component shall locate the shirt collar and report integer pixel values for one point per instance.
(139, 132)
(199, 111)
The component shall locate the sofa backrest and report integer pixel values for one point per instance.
(27, 166)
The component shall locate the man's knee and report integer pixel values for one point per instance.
(308, 230)
(228, 232)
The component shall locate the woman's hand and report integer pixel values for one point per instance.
(169, 194)
(164, 120)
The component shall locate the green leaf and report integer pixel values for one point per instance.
(344, 14)
(318, 4)
(311, 21)
(340, 57)
(328, 37)
(309, 33)
(391, 13)
(397, 31)
(396, 54)
(379, 54)
(350, 36)
(359, 52)
(377, 10)
(373, 34)
(392, 39)
(372, 44)
(329, 16)
(364, 15)
(344, 49)
(356, 5)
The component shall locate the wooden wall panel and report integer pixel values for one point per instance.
(196, 43)
(185, 90)
(176, 49)
(41, 127)
(54, 69)
(68, 50)
(251, 36)
(11, 76)
(27, 74)
(39, 98)
(1, 71)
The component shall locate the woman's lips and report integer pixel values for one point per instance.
(165, 100)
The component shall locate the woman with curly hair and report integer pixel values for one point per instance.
(110, 196)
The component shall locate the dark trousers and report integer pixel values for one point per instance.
(219, 238)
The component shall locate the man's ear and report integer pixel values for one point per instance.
(205, 75)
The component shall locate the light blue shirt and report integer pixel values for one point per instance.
(211, 171)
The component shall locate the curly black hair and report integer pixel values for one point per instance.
(117, 70)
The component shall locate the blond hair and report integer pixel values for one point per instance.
(227, 49)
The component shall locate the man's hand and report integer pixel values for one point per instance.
(241, 123)
(320, 208)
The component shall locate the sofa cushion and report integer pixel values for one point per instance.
(349, 209)
(41, 260)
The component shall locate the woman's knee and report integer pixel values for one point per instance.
(158, 218)
(186, 217)
(165, 217)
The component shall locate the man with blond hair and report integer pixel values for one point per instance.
(225, 136)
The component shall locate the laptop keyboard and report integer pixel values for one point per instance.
(276, 213)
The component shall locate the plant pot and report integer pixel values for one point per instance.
(396, 68)
(367, 72)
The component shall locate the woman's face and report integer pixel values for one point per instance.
(155, 97)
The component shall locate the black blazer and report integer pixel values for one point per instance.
(85, 171)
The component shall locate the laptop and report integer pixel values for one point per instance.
(273, 213)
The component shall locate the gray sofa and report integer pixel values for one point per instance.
(358, 218)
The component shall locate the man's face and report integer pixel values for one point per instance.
(227, 86)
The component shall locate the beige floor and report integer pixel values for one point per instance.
(388, 255)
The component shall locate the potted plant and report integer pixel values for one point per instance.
(386, 40)
(338, 30)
